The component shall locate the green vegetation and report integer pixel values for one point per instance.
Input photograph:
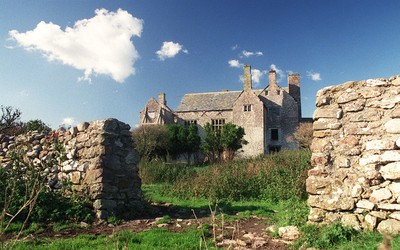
(273, 178)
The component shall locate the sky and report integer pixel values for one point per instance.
(65, 62)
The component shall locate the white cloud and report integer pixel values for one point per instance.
(279, 72)
(170, 50)
(256, 76)
(235, 47)
(99, 45)
(68, 121)
(315, 76)
(24, 93)
(235, 64)
(250, 53)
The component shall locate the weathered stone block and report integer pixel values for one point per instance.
(383, 144)
(318, 185)
(393, 126)
(323, 124)
(390, 226)
(388, 206)
(351, 220)
(347, 97)
(391, 171)
(316, 214)
(365, 204)
(380, 195)
(354, 106)
(327, 113)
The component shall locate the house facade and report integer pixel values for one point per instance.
(269, 116)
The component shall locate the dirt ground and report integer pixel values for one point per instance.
(246, 233)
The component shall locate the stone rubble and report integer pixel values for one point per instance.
(100, 162)
(356, 156)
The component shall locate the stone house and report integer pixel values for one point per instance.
(269, 116)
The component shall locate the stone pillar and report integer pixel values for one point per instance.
(272, 78)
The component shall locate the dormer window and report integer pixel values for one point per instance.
(266, 92)
(247, 108)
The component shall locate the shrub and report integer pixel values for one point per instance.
(156, 171)
(304, 134)
(151, 141)
(275, 177)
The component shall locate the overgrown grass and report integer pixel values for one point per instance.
(274, 178)
(151, 239)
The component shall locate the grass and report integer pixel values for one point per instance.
(151, 239)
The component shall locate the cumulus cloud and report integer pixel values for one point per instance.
(250, 53)
(99, 45)
(235, 64)
(315, 76)
(256, 76)
(170, 50)
(279, 72)
(235, 47)
(68, 121)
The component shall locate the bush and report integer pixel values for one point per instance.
(304, 134)
(275, 177)
(155, 171)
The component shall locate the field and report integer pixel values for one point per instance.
(237, 204)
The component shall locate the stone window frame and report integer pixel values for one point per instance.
(190, 122)
(278, 92)
(247, 107)
(217, 124)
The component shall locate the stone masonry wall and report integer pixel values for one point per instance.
(356, 156)
(100, 162)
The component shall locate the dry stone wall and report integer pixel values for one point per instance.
(356, 156)
(100, 162)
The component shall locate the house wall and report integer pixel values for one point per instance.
(252, 122)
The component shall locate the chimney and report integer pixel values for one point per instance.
(161, 99)
(272, 78)
(247, 78)
(294, 89)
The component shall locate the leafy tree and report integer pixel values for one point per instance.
(212, 143)
(151, 141)
(36, 125)
(304, 134)
(183, 140)
(193, 141)
(10, 120)
(232, 139)
(229, 139)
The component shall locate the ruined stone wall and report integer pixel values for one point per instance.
(356, 156)
(100, 162)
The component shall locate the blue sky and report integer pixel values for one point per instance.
(65, 61)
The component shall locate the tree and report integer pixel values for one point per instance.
(183, 140)
(10, 120)
(151, 141)
(304, 134)
(193, 141)
(232, 140)
(229, 139)
(36, 125)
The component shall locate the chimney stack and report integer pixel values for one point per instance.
(294, 89)
(161, 99)
(272, 78)
(247, 78)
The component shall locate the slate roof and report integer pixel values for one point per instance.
(208, 101)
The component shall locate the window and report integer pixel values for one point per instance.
(266, 92)
(189, 122)
(217, 124)
(278, 92)
(247, 108)
(274, 149)
(274, 134)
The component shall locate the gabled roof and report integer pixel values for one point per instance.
(208, 101)
(222, 100)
